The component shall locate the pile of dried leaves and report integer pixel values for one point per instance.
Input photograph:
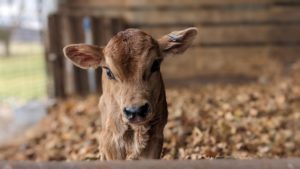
(213, 121)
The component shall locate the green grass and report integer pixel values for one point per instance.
(22, 75)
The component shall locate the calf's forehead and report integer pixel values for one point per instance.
(129, 51)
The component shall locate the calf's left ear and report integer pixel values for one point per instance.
(83, 55)
(178, 41)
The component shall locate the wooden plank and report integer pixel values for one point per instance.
(189, 11)
(236, 34)
(138, 3)
(55, 57)
(191, 2)
(222, 61)
(103, 29)
(98, 32)
(275, 15)
(77, 36)
(197, 61)
(130, 3)
(155, 17)
(121, 6)
(93, 11)
(260, 34)
(285, 33)
(175, 4)
(245, 52)
(287, 57)
(291, 13)
(84, 3)
(160, 164)
(118, 24)
(66, 40)
(195, 16)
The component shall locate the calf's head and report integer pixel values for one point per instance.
(131, 64)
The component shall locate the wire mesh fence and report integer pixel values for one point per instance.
(22, 74)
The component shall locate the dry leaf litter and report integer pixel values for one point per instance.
(211, 121)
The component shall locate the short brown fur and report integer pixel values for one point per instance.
(129, 57)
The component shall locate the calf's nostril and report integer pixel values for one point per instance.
(131, 112)
(143, 110)
(130, 116)
(128, 112)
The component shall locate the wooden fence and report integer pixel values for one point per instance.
(250, 32)
(244, 31)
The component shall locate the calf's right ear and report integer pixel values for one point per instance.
(177, 42)
(84, 56)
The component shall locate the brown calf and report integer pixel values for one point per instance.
(133, 104)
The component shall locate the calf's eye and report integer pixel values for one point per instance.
(109, 74)
(155, 66)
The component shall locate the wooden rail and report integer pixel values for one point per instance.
(201, 164)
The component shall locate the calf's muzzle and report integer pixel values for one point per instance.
(136, 114)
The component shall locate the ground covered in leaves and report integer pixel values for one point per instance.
(254, 120)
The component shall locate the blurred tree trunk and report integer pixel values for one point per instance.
(5, 36)
(7, 46)
(7, 32)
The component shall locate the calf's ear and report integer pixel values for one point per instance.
(178, 41)
(83, 55)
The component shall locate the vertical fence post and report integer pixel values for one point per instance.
(102, 30)
(77, 36)
(98, 39)
(55, 60)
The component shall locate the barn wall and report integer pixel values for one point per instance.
(236, 37)
(246, 31)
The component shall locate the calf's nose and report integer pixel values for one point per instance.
(132, 112)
